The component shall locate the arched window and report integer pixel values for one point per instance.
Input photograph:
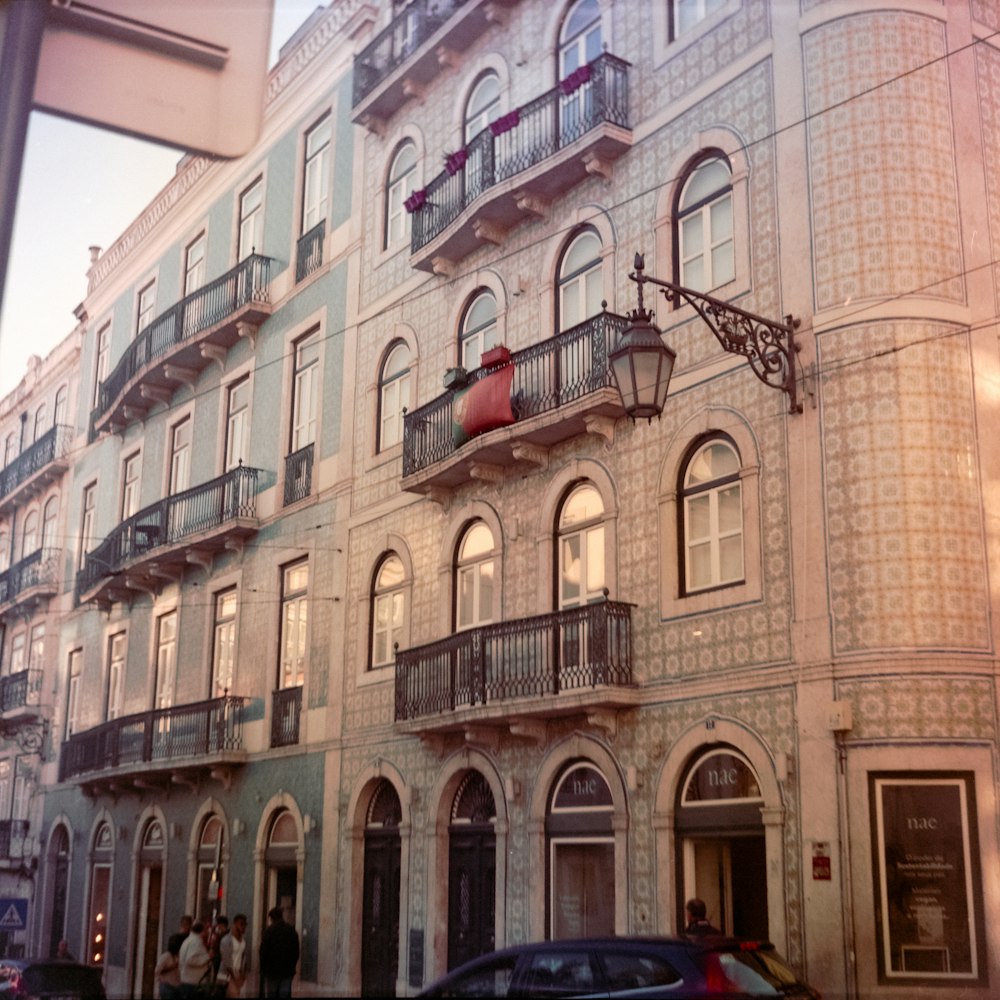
(211, 848)
(399, 187)
(388, 609)
(41, 415)
(712, 516)
(579, 44)
(49, 514)
(393, 395)
(704, 232)
(580, 280)
(483, 105)
(62, 402)
(479, 330)
(29, 534)
(475, 577)
(581, 547)
(281, 865)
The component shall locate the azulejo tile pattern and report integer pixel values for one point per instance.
(883, 178)
(988, 77)
(905, 528)
(904, 707)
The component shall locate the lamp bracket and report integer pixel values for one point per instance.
(768, 345)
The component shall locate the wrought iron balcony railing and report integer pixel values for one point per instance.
(52, 445)
(160, 737)
(286, 710)
(309, 251)
(521, 141)
(182, 325)
(547, 376)
(298, 474)
(20, 690)
(394, 45)
(38, 570)
(12, 835)
(572, 650)
(172, 521)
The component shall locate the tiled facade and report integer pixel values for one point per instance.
(411, 811)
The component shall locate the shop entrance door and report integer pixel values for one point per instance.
(729, 874)
(471, 895)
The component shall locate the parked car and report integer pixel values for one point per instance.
(681, 968)
(47, 979)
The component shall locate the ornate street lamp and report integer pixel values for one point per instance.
(642, 363)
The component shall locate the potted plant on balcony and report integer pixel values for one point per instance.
(498, 355)
(455, 378)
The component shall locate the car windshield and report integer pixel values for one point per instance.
(62, 977)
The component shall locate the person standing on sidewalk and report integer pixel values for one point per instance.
(279, 955)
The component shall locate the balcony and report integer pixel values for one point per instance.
(298, 475)
(560, 388)
(421, 42)
(13, 834)
(152, 751)
(286, 711)
(176, 346)
(36, 467)
(161, 540)
(20, 696)
(516, 674)
(33, 579)
(516, 166)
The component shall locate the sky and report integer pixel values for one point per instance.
(81, 186)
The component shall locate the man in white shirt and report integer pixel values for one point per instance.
(195, 959)
(233, 950)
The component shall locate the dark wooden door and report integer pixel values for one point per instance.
(471, 894)
(380, 913)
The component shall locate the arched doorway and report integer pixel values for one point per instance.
(211, 850)
(581, 854)
(380, 897)
(721, 856)
(101, 858)
(471, 871)
(281, 867)
(149, 877)
(58, 866)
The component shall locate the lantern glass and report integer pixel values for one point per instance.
(642, 365)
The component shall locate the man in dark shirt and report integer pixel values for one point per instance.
(279, 955)
(697, 921)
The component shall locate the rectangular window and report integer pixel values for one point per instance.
(130, 486)
(928, 887)
(89, 506)
(251, 235)
(5, 788)
(294, 621)
(116, 676)
(145, 304)
(304, 391)
(103, 359)
(20, 798)
(166, 659)
(180, 456)
(194, 264)
(237, 423)
(73, 670)
(18, 643)
(316, 180)
(224, 644)
(36, 649)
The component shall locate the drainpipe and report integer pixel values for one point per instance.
(846, 879)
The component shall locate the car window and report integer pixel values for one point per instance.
(557, 973)
(739, 973)
(492, 979)
(632, 971)
(63, 978)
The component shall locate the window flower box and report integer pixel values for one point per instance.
(455, 378)
(498, 355)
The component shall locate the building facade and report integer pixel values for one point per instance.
(379, 608)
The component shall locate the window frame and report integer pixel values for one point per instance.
(224, 622)
(296, 598)
(593, 525)
(400, 183)
(396, 383)
(305, 373)
(131, 482)
(316, 173)
(702, 209)
(238, 417)
(472, 566)
(382, 594)
(145, 307)
(88, 514)
(486, 333)
(74, 672)
(579, 280)
(712, 490)
(102, 359)
(250, 219)
(165, 662)
(117, 653)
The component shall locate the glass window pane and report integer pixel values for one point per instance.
(693, 274)
(569, 585)
(699, 566)
(730, 509)
(721, 215)
(478, 541)
(698, 519)
(466, 597)
(723, 269)
(691, 241)
(595, 561)
(711, 176)
(486, 592)
(731, 559)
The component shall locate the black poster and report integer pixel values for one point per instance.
(927, 879)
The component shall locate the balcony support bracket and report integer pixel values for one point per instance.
(489, 232)
(216, 353)
(531, 204)
(155, 394)
(134, 413)
(524, 451)
(443, 266)
(604, 719)
(198, 558)
(597, 165)
(179, 373)
(222, 774)
(600, 426)
(248, 330)
(486, 472)
(29, 736)
(484, 736)
(134, 582)
(181, 778)
(530, 729)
